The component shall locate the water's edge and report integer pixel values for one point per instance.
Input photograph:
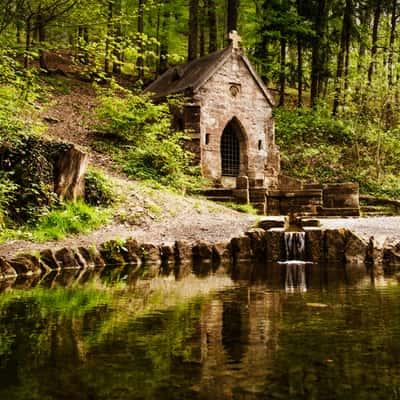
(182, 258)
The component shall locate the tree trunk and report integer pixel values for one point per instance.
(232, 15)
(374, 48)
(107, 53)
(164, 43)
(299, 64)
(317, 59)
(28, 32)
(393, 23)
(140, 31)
(212, 22)
(42, 39)
(117, 51)
(202, 38)
(193, 29)
(344, 39)
(282, 72)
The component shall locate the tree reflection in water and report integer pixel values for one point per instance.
(210, 338)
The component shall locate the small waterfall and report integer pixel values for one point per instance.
(295, 246)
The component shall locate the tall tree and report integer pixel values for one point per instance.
(140, 33)
(232, 17)
(193, 29)
(343, 52)
(317, 61)
(393, 25)
(212, 24)
(374, 47)
(107, 52)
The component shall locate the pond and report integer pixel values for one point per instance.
(296, 331)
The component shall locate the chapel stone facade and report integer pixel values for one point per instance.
(228, 114)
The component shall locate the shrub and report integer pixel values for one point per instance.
(7, 196)
(146, 145)
(98, 189)
(315, 145)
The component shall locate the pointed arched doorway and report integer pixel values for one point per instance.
(232, 149)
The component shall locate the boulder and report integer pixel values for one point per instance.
(167, 254)
(241, 248)
(26, 264)
(268, 223)
(391, 254)
(6, 270)
(112, 253)
(183, 259)
(315, 245)
(87, 256)
(131, 252)
(356, 249)
(203, 251)
(375, 251)
(221, 253)
(258, 243)
(150, 254)
(274, 239)
(183, 251)
(335, 244)
(48, 258)
(65, 257)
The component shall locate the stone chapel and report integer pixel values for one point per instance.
(228, 112)
(228, 115)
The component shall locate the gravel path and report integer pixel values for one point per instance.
(380, 228)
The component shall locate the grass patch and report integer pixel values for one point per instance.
(70, 218)
(244, 208)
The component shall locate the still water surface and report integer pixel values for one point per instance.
(279, 332)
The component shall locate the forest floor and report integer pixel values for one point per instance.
(152, 215)
(148, 214)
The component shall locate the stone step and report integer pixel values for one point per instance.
(369, 208)
(342, 212)
(257, 197)
(216, 192)
(259, 206)
(222, 199)
(378, 214)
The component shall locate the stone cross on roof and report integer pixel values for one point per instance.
(235, 39)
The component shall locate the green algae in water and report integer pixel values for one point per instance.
(334, 335)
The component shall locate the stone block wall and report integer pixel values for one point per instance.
(252, 115)
(339, 199)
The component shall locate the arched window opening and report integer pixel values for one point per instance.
(230, 151)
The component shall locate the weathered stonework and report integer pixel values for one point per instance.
(250, 112)
(133, 260)
(225, 96)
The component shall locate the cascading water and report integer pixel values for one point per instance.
(295, 246)
(294, 256)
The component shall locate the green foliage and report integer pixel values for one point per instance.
(29, 162)
(70, 218)
(7, 196)
(144, 142)
(315, 145)
(98, 189)
(245, 208)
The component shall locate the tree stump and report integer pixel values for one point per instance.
(69, 179)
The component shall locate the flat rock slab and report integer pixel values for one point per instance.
(380, 228)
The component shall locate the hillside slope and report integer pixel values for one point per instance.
(149, 214)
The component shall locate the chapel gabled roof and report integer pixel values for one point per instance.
(193, 75)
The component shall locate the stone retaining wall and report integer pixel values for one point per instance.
(120, 258)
